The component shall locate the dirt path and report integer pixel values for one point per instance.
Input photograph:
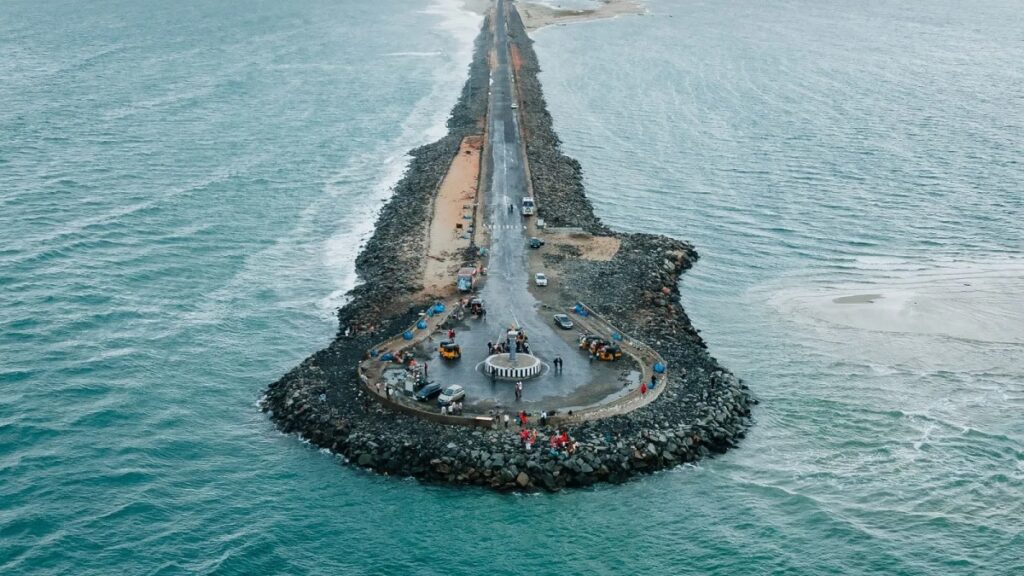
(517, 61)
(450, 230)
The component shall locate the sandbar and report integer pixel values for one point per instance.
(857, 299)
(537, 16)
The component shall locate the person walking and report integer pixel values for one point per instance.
(506, 421)
(643, 389)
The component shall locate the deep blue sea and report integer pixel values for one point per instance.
(184, 187)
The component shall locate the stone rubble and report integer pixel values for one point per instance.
(705, 410)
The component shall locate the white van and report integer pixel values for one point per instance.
(528, 206)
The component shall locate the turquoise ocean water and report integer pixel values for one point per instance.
(184, 187)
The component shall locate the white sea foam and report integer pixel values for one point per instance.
(364, 190)
(425, 123)
(397, 54)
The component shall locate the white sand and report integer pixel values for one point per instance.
(538, 15)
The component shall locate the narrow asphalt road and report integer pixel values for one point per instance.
(505, 292)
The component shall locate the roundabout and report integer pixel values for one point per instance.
(511, 366)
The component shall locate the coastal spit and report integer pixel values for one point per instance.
(628, 280)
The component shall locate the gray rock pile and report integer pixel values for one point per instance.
(705, 409)
(557, 179)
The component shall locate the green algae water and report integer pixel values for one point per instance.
(184, 187)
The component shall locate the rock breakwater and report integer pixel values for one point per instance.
(557, 179)
(704, 410)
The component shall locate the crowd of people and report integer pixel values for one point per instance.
(454, 409)
(560, 444)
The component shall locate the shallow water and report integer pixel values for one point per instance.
(183, 189)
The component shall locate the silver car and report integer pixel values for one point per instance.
(453, 393)
(563, 321)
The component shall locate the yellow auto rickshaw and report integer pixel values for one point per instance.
(450, 350)
(609, 353)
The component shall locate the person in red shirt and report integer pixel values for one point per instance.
(556, 442)
(643, 389)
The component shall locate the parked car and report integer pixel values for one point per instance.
(536, 242)
(563, 321)
(428, 392)
(540, 279)
(453, 393)
(514, 105)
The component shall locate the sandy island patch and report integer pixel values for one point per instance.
(538, 15)
(450, 231)
(857, 299)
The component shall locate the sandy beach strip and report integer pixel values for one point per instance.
(454, 215)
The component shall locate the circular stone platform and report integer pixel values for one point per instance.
(524, 366)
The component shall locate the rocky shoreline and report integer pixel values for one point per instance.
(704, 410)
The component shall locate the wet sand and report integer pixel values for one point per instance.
(857, 299)
(537, 16)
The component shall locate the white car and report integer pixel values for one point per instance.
(540, 279)
(453, 393)
(514, 105)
